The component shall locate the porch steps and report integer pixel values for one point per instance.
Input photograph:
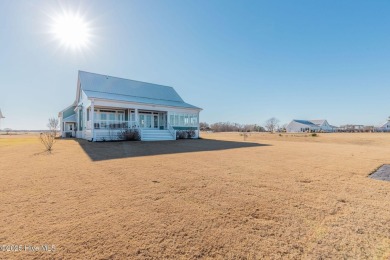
(156, 135)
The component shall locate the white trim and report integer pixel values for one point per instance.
(91, 118)
(141, 105)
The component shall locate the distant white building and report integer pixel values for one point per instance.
(299, 126)
(324, 125)
(385, 127)
(351, 128)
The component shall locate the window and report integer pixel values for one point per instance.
(186, 120)
(132, 116)
(176, 120)
(103, 116)
(142, 120)
(111, 116)
(121, 116)
(194, 120)
(148, 121)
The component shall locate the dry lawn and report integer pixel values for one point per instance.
(220, 197)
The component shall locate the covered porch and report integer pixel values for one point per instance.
(105, 123)
(116, 118)
(68, 126)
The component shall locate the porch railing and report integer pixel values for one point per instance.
(113, 124)
(172, 130)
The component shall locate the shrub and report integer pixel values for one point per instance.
(314, 135)
(245, 135)
(129, 135)
(48, 139)
(185, 134)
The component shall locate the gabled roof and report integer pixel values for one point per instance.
(318, 122)
(73, 105)
(67, 111)
(384, 124)
(114, 88)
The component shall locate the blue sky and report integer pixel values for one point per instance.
(241, 61)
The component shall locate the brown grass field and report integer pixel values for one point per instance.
(271, 196)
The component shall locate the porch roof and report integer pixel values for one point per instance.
(70, 119)
(128, 98)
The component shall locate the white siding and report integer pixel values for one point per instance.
(295, 127)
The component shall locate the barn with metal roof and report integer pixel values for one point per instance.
(296, 126)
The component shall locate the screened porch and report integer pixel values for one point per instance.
(109, 118)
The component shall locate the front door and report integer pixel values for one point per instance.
(155, 121)
(70, 127)
(145, 120)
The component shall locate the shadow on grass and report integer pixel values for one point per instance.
(100, 151)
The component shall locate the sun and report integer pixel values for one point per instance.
(71, 30)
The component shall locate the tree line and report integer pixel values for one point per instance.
(271, 125)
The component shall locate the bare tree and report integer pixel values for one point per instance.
(272, 124)
(204, 126)
(7, 130)
(226, 127)
(48, 138)
(231, 127)
(53, 125)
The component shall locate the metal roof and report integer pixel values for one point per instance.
(384, 124)
(305, 122)
(318, 122)
(110, 96)
(113, 88)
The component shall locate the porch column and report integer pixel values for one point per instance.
(136, 115)
(92, 119)
(166, 119)
(129, 118)
(198, 123)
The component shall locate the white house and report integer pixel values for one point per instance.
(106, 105)
(385, 127)
(324, 125)
(296, 126)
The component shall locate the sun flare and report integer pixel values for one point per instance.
(71, 30)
